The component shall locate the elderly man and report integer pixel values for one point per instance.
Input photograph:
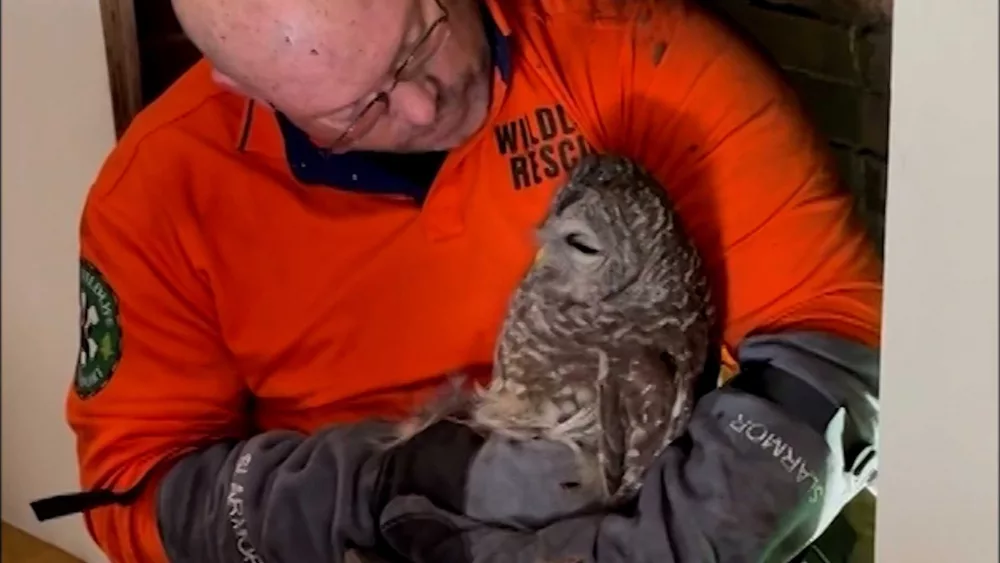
(329, 213)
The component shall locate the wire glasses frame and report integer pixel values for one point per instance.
(365, 120)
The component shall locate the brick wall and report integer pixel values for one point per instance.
(835, 53)
(164, 52)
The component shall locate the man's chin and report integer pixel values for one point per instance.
(473, 121)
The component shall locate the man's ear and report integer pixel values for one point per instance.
(228, 83)
(225, 81)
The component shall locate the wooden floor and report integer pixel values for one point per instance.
(17, 546)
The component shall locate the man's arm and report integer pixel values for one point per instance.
(772, 457)
(754, 184)
(160, 411)
(281, 496)
(768, 462)
(277, 496)
(797, 280)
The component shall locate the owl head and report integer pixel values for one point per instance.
(609, 227)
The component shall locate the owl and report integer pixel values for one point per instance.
(605, 337)
(608, 331)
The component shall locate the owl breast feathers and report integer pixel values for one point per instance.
(608, 332)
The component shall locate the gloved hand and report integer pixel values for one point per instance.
(433, 464)
(752, 480)
(416, 531)
(509, 484)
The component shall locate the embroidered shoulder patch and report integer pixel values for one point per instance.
(100, 332)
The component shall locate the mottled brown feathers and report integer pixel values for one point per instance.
(607, 333)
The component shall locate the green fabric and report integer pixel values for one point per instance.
(851, 536)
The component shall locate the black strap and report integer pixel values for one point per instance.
(73, 503)
(795, 397)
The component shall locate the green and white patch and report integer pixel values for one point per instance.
(100, 332)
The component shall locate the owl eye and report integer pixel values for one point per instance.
(575, 240)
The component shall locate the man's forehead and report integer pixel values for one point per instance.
(310, 56)
(352, 55)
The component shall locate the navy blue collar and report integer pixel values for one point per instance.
(409, 175)
(499, 44)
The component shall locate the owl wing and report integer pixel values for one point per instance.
(656, 396)
(646, 394)
(612, 423)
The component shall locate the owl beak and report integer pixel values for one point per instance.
(539, 255)
(542, 238)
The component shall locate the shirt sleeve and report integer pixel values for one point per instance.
(754, 184)
(170, 463)
(154, 380)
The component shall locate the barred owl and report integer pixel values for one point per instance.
(607, 333)
(604, 338)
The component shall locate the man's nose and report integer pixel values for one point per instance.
(416, 101)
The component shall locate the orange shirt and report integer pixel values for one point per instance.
(248, 300)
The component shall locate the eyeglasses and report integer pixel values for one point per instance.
(422, 52)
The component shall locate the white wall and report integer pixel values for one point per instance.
(938, 479)
(57, 128)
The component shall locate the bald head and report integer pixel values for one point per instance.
(321, 62)
(280, 49)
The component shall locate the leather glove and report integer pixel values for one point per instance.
(765, 465)
(416, 531)
(433, 464)
(748, 482)
(495, 481)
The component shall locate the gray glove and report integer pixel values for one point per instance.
(283, 496)
(767, 463)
